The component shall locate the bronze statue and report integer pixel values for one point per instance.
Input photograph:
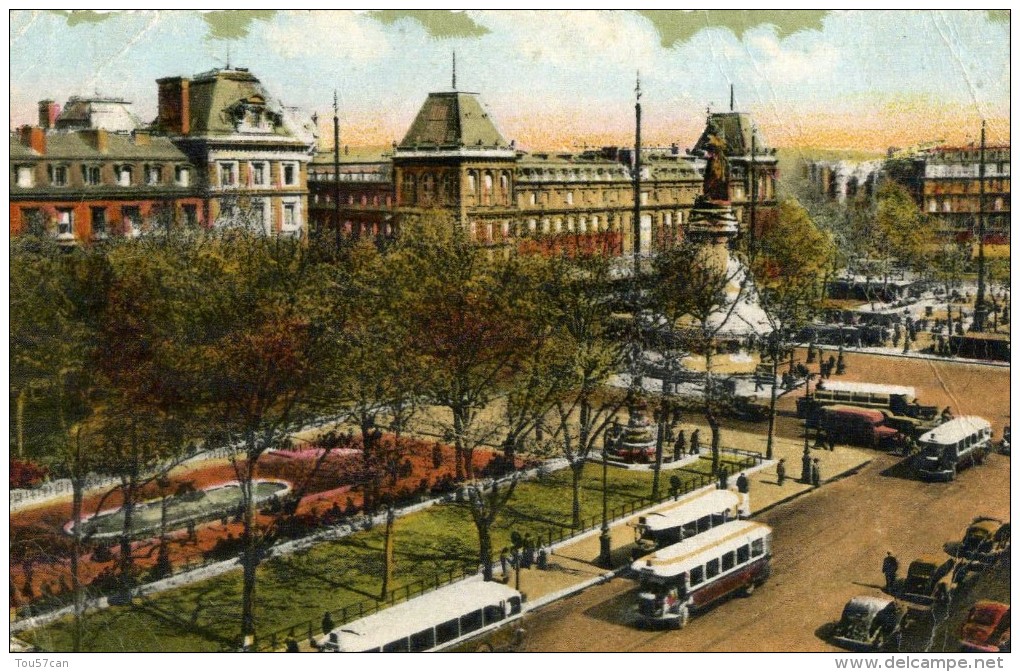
(716, 186)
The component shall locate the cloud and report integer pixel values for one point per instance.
(332, 34)
(679, 26)
(439, 23)
(234, 24)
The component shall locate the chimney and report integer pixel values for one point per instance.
(99, 138)
(48, 112)
(34, 138)
(174, 105)
(142, 138)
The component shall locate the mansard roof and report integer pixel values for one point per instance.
(735, 128)
(453, 119)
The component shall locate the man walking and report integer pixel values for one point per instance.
(743, 486)
(890, 566)
(696, 442)
(781, 471)
(816, 473)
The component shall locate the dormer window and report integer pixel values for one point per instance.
(251, 116)
(182, 176)
(58, 176)
(25, 177)
(153, 175)
(91, 175)
(124, 176)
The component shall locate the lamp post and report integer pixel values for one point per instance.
(605, 549)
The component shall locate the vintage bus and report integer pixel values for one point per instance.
(897, 402)
(692, 516)
(953, 445)
(690, 576)
(434, 621)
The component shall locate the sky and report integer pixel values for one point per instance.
(860, 80)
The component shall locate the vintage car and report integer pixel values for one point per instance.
(985, 540)
(932, 579)
(870, 623)
(986, 629)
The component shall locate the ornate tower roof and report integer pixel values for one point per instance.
(735, 129)
(453, 120)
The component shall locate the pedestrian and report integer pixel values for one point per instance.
(680, 448)
(327, 623)
(529, 551)
(292, 645)
(830, 440)
(696, 442)
(830, 365)
(674, 485)
(724, 478)
(890, 566)
(781, 471)
(504, 562)
(743, 485)
(816, 473)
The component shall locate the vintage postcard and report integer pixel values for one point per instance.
(678, 331)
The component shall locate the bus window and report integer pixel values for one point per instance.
(728, 560)
(471, 622)
(718, 519)
(690, 529)
(757, 548)
(423, 641)
(743, 554)
(704, 523)
(697, 575)
(493, 613)
(447, 631)
(515, 605)
(712, 568)
(399, 646)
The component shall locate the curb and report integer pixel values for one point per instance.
(790, 498)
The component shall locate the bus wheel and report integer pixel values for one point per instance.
(749, 589)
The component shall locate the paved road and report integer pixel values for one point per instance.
(828, 547)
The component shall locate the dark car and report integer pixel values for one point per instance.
(870, 623)
(932, 579)
(986, 540)
(986, 629)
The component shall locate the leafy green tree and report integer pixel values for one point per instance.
(789, 273)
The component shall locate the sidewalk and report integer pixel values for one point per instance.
(573, 565)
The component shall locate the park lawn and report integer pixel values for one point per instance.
(296, 589)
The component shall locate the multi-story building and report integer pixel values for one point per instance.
(222, 151)
(454, 158)
(252, 153)
(92, 182)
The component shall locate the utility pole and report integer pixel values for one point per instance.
(752, 242)
(637, 182)
(336, 169)
(980, 310)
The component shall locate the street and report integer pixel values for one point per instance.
(828, 547)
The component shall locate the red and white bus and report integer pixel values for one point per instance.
(692, 516)
(691, 575)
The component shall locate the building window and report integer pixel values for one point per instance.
(487, 189)
(65, 223)
(26, 177)
(644, 198)
(258, 174)
(409, 189)
(124, 176)
(90, 175)
(570, 198)
(532, 198)
(290, 217)
(427, 188)
(190, 214)
(289, 174)
(132, 220)
(153, 175)
(58, 176)
(183, 176)
(98, 222)
(228, 174)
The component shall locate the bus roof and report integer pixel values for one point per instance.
(704, 504)
(417, 614)
(953, 431)
(841, 409)
(678, 558)
(876, 388)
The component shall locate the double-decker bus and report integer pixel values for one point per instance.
(690, 576)
(434, 621)
(693, 516)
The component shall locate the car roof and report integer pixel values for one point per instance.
(868, 603)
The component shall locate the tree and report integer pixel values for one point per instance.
(789, 271)
(471, 316)
(589, 355)
(257, 310)
(486, 502)
(691, 290)
(900, 225)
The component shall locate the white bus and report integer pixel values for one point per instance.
(695, 573)
(433, 621)
(695, 515)
(952, 445)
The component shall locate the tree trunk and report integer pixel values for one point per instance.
(713, 423)
(458, 443)
(22, 399)
(484, 547)
(250, 555)
(126, 561)
(388, 554)
(577, 471)
(659, 440)
(78, 627)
